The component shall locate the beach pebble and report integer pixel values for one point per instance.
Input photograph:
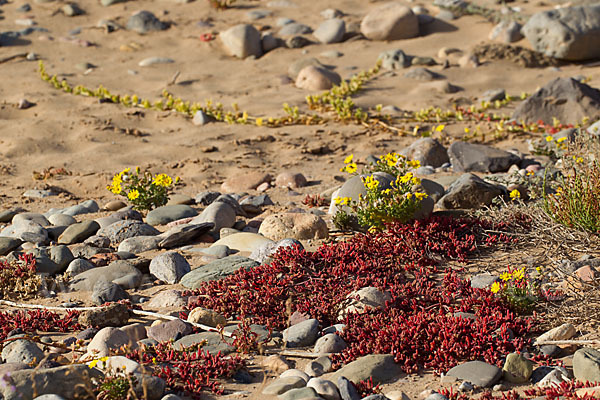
(390, 21)
(146, 62)
(331, 31)
(144, 21)
(317, 78)
(242, 41)
(169, 267)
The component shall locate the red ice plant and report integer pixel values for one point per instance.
(37, 320)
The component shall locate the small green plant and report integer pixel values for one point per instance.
(379, 206)
(116, 387)
(144, 190)
(344, 221)
(518, 290)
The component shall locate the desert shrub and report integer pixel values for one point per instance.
(142, 189)
(18, 279)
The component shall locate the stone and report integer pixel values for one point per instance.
(506, 32)
(565, 99)
(115, 314)
(294, 225)
(331, 31)
(165, 214)
(38, 194)
(220, 214)
(329, 343)
(104, 341)
(361, 300)
(381, 367)
(144, 22)
(434, 190)
(563, 332)
(555, 378)
(569, 33)
(390, 21)
(214, 343)
(479, 373)
(183, 234)
(166, 299)
(170, 330)
(244, 182)
(318, 367)
(59, 381)
(77, 233)
(354, 187)
(347, 389)
(290, 180)
(22, 351)
(298, 394)
(394, 59)
(483, 281)
(121, 230)
(107, 292)
(427, 151)
(216, 270)
(59, 219)
(8, 244)
(244, 242)
(586, 365)
(149, 61)
(294, 29)
(472, 157)
(493, 95)
(120, 272)
(517, 369)
(423, 74)
(207, 317)
(86, 207)
(49, 397)
(297, 66)
(139, 244)
(302, 334)
(469, 191)
(72, 10)
(242, 41)
(282, 385)
(324, 388)
(317, 78)
(263, 253)
(114, 205)
(169, 267)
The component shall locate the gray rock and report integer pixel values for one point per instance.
(8, 215)
(586, 365)
(61, 255)
(317, 78)
(436, 396)
(423, 74)
(282, 385)
(60, 381)
(77, 233)
(394, 59)
(120, 272)
(302, 334)
(479, 373)
(144, 21)
(170, 330)
(216, 270)
(220, 214)
(347, 389)
(254, 15)
(472, 157)
(390, 21)
(8, 244)
(149, 61)
(594, 129)
(330, 343)
(49, 397)
(86, 207)
(354, 187)
(507, 32)
(61, 220)
(107, 3)
(434, 190)
(121, 230)
(38, 194)
(78, 266)
(324, 388)
(517, 369)
(493, 95)
(300, 393)
(569, 33)
(318, 367)
(201, 118)
(183, 234)
(214, 343)
(242, 41)
(169, 267)
(294, 28)
(263, 253)
(140, 244)
(381, 367)
(297, 66)
(72, 10)
(469, 191)
(22, 351)
(270, 42)
(483, 281)
(427, 151)
(165, 214)
(107, 292)
(87, 251)
(205, 198)
(566, 99)
(331, 31)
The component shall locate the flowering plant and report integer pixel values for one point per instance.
(380, 206)
(518, 289)
(144, 190)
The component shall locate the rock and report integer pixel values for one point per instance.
(318, 367)
(290, 180)
(167, 298)
(586, 365)
(244, 241)
(204, 316)
(77, 233)
(317, 78)
(244, 182)
(140, 244)
(201, 118)
(361, 300)
(434, 190)
(61, 220)
(471, 157)
(294, 225)
(563, 332)
(390, 21)
(565, 99)
(347, 389)
(423, 74)
(121, 230)
(170, 330)
(86, 207)
(169, 267)
(282, 385)
(60, 381)
(205, 198)
(214, 343)
(427, 151)
(144, 21)
(324, 388)
(120, 272)
(479, 373)
(493, 95)
(263, 253)
(216, 270)
(506, 32)
(381, 367)
(302, 334)
(104, 341)
(469, 191)
(115, 314)
(298, 394)
(49, 397)
(8, 244)
(297, 66)
(183, 234)
(165, 214)
(114, 205)
(22, 351)
(354, 187)
(554, 378)
(394, 59)
(242, 41)
(331, 31)
(147, 62)
(569, 33)
(220, 214)
(72, 10)
(294, 29)
(38, 194)
(517, 369)
(107, 292)
(6, 216)
(20, 229)
(483, 281)
(330, 343)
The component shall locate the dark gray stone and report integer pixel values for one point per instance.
(478, 373)
(214, 343)
(469, 191)
(302, 334)
(120, 272)
(165, 214)
(122, 230)
(77, 233)
(22, 351)
(170, 330)
(394, 59)
(107, 292)
(347, 389)
(427, 151)
(183, 234)
(205, 198)
(169, 267)
(8, 244)
(216, 270)
(381, 367)
(144, 22)
(472, 157)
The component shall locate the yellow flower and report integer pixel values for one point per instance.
(579, 160)
(348, 159)
(259, 121)
(409, 195)
(163, 180)
(515, 194)
(467, 130)
(560, 140)
(538, 269)
(371, 183)
(519, 274)
(440, 128)
(342, 200)
(506, 276)
(154, 360)
(414, 163)
(549, 138)
(133, 194)
(416, 180)
(530, 173)
(137, 170)
(420, 196)
(93, 363)
(495, 287)
(350, 168)
(406, 178)
(386, 191)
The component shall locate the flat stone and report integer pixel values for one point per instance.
(214, 343)
(8, 244)
(183, 234)
(165, 214)
(244, 182)
(216, 270)
(170, 330)
(121, 230)
(299, 393)
(243, 241)
(479, 373)
(115, 314)
(469, 191)
(107, 292)
(220, 214)
(294, 225)
(77, 233)
(139, 244)
(472, 157)
(302, 334)
(483, 281)
(120, 272)
(381, 367)
(144, 22)
(207, 317)
(563, 332)
(586, 365)
(282, 385)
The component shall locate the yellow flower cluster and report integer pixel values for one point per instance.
(350, 166)
(371, 183)
(408, 177)
(162, 180)
(93, 363)
(414, 163)
(516, 275)
(391, 159)
(133, 194)
(515, 194)
(342, 201)
(116, 187)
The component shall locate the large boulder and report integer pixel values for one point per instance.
(390, 21)
(565, 99)
(569, 33)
